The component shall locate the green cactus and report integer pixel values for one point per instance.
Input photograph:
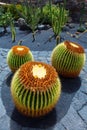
(35, 89)
(68, 58)
(17, 56)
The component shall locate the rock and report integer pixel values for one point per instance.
(65, 28)
(71, 25)
(43, 27)
(74, 35)
(23, 25)
(69, 20)
(77, 33)
(85, 24)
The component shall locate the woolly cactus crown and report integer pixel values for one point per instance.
(17, 56)
(74, 47)
(68, 58)
(35, 88)
(20, 50)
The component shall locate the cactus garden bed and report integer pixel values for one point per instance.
(42, 38)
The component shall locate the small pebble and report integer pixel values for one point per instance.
(71, 25)
(77, 33)
(38, 44)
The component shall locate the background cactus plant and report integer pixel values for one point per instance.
(17, 56)
(35, 88)
(68, 58)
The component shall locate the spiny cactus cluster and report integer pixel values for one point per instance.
(35, 88)
(17, 56)
(68, 59)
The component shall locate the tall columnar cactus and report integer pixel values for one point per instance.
(35, 89)
(17, 56)
(68, 59)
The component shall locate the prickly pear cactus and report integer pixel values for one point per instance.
(17, 56)
(35, 89)
(68, 58)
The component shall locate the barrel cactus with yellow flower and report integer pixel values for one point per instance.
(68, 58)
(17, 56)
(35, 89)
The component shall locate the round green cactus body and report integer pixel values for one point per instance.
(17, 56)
(35, 88)
(68, 59)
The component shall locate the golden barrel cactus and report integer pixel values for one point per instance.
(17, 56)
(35, 89)
(68, 58)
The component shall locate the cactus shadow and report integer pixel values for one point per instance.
(43, 122)
(69, 89)
(70, 85)
(9, 78)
